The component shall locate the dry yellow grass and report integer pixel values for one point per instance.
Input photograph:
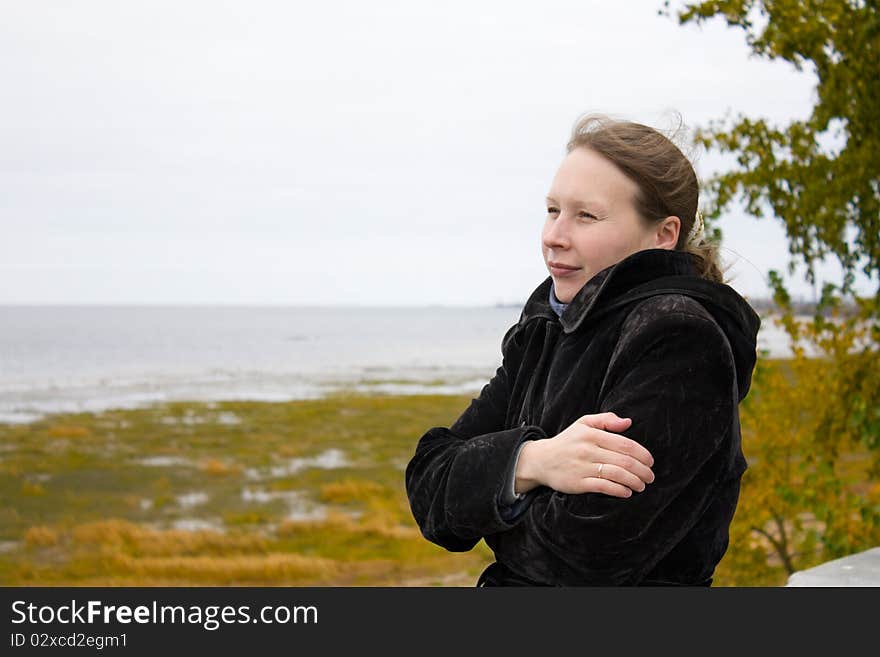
(348, 490)
(31, 488)
(218, 570)
(147, 541)
(40, 537)
(68, 431)
(218, 467)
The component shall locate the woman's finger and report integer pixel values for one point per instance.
(624, 462)
(618, 443)
(615, 473)
(607, 420)
(600, 485)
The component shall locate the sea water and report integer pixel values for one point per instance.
(90, 358)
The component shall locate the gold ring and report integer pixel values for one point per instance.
(601, 465)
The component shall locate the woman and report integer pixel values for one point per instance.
(632, 333)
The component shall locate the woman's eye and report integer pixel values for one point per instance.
(588, 215)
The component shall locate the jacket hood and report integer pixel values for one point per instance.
(651, 272)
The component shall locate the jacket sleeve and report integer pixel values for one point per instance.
(456, 481)
(673, 375)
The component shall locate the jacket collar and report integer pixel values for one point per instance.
(658, 271)
(608, 284)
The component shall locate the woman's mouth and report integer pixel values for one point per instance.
(561, 271)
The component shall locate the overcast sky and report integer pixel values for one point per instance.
(339, 152)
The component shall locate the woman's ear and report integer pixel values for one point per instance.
(667, 232)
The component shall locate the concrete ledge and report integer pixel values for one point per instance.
(860, 569)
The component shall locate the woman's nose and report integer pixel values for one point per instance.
(556, 233)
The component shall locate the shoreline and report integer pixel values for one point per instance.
(28, 412)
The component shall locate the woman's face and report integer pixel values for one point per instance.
(592, 223)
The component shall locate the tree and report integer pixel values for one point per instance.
(820, 177)
(816, 189)
(811, 492)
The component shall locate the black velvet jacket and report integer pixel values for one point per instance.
(647, 339)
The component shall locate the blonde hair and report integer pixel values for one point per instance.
(666, 180)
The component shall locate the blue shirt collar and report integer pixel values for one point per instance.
(555, 303)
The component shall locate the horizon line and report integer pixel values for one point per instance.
(215, 304)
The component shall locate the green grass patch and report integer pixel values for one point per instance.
(307, 492)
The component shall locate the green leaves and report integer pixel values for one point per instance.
(821, 176)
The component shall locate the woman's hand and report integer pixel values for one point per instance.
(570, 461)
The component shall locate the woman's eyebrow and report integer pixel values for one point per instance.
(597, 204)
(575, 201)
